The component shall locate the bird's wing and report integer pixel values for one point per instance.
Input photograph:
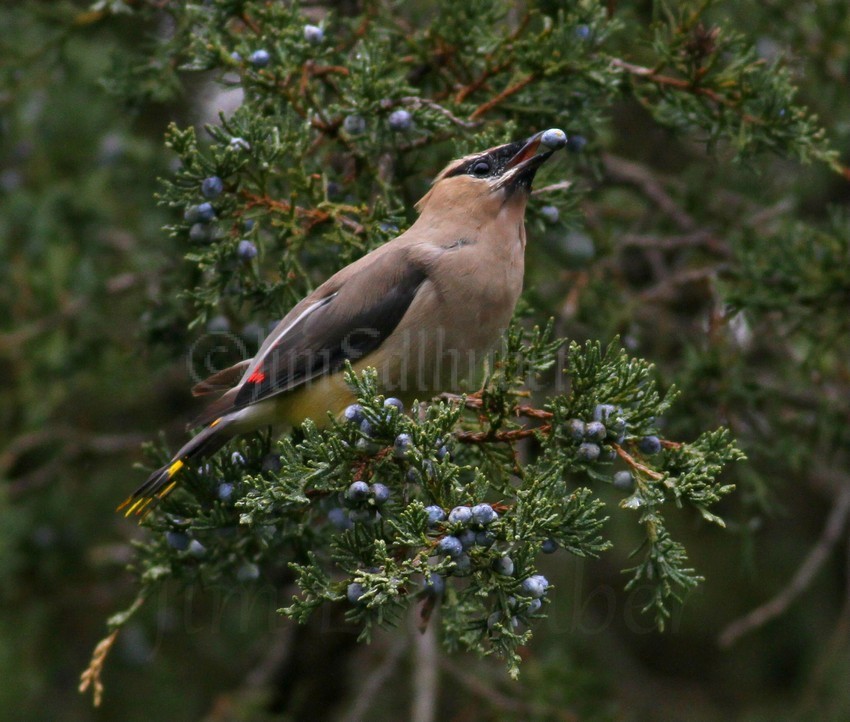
(347, 318)
(222, 380)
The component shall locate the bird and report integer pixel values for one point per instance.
(422, 309)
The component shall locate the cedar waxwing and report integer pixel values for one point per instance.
(422, 309)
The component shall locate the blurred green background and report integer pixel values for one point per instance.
(87, 375)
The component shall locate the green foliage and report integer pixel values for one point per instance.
(285, 156)
(293, 507)
(733, 95)
(805, 263)
(687, 228)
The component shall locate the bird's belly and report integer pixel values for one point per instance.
(315, 400)
(444, 342)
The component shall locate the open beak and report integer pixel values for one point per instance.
(520, 169)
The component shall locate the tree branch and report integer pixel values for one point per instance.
(370, 687)
(314, 215)
(688, 86)
(800, 581)
(425, 678)
(696, 239)
(489, 694)
(416, 102)
(485, 108)
(625, 171)
(560, 186)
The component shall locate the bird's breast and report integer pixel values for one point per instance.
(458, 315)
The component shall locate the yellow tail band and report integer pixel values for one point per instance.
(140, 505)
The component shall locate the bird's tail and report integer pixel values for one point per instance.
(162, 482)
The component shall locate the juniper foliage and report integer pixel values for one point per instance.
(314, 175)
(284, 510)
(718, 282)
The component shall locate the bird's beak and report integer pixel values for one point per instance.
(520, 169)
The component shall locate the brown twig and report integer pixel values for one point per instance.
(416, 102)
(694, 88)
(319, 71)
(532, 412)
(698, 238)
(69, 308)
(488, 693)
(835, 646)
(493, 70)
(635, 464)
(508, 437)
(474, 401)
(761, 615)
(91, 675)
(560, 186)
(652, 76)
(425, 672)
(256, 29)
(667, 289)
(378, 677)
(480, 81)
(626, 171)
(315, 216)
(485, 108)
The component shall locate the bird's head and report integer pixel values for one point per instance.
(491, 178)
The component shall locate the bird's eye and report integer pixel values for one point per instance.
(481, 168)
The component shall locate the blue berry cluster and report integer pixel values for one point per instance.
(313, 34)
(363, 502)
(212, 187)
(400, 120)
(369, 436)
(246, 250)
(402, 446)
(532, 590)
(354, 124)
(528, 601)
(260, 58)
(624, 481)
(553, 138)
(649, 445)
(201, 218)
(549, 546)
(503, 565)
(550, 214)
(469, 528)
(354, 592)
(202, 215)
(608, 424)
(465, 537)
(434, 585)
(180, 541)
